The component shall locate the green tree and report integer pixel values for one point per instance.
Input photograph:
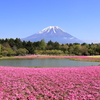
(76, 49)
(10, 52)
(56, 45)
(7, 52)
(49, 45)
(42, 45)
(71, 50)
(22, 51)
(0, 51)
(6, 45)
(11, 42)
(4, 53)
(98, 48)
(36, 45)
(18, 43)
(64, 48)
(83, 50)
(29, 47)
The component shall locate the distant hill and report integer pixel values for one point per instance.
(54, 34)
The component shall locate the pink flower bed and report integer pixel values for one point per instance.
(88, 57)
(79, 57)
(46, 56)
(75, 83)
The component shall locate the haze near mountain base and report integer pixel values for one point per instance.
(53, 33)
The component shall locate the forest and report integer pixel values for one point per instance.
(16, 47)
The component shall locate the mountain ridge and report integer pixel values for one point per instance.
(53, 33)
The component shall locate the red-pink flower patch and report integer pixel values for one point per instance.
(75, 83)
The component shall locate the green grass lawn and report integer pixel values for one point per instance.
(94, 56)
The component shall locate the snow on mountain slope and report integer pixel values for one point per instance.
(53, 33)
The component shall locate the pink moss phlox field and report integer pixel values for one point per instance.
(71, 83)
(87, 57)
(79, 57)
(47, 56)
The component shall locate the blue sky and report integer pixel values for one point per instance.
(22, 18)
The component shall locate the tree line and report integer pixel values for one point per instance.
(14, 47)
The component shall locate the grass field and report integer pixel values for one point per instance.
(95, 56)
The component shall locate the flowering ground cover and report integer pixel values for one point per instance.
(71, 83)
(47, 56)
(88, 57)
(79, 57)
(38, 57)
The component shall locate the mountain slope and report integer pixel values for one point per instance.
(54, 34)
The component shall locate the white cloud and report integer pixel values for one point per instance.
(91, 41)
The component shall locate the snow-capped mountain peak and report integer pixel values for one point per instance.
(48, 29)
(53, 33)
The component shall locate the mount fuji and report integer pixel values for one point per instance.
(53, 33)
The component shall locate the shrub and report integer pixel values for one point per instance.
(0, 56)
